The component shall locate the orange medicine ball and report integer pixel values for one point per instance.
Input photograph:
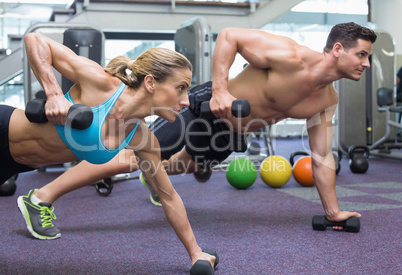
(303, 172)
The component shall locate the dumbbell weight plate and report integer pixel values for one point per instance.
(35, 111)
(202, 267)
(318, 222)
(79, 116)
(213, 253)
(352, 225)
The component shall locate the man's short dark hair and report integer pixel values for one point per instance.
(347, 34)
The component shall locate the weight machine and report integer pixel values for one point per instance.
(383, 147)
(366, 108)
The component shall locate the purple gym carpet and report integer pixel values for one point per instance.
(259, 230)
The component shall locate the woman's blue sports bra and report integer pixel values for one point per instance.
(87, 144)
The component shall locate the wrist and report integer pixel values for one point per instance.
(54, 94)
(194, 255)
(331, 214)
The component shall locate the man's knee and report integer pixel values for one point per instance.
(125, 162)
(181, 162)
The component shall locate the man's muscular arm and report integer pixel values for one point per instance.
(260, 49)
(224, 55)
(320, 139)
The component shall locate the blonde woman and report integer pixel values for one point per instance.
(121, 96)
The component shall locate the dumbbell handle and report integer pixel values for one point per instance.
(351, 225)
(240, 108)
(79, 116)
(331, 223)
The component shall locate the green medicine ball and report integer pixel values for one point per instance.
(241, 173)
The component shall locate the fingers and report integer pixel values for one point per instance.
(57, 110)
(223, 113)
(347, 215)
(343, 216)
(229, 112)
(355, 214)
(56, 116)
(221, 105)
(220, 110)
(203, 265)
(205, 257)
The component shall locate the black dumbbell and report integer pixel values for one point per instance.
(240, 108)
(202, 267)
(320, 222)
(79, 116)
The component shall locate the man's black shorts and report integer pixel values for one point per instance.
(209, 142)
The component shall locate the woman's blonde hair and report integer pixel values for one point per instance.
(158, 62)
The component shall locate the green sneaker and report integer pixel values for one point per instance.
(38, 217)
(153, 196)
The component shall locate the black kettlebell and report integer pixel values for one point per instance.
(295, 154)
(254, 148)
(8, 188)
(337, 158)
(358, 162)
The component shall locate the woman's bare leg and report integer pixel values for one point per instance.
(85, 173)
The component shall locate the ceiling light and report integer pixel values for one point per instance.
(54, 2)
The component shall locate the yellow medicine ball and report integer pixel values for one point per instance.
(275, 171)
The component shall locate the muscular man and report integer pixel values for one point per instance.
(283, 80)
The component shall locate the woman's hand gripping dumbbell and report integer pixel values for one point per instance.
(79, 116)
